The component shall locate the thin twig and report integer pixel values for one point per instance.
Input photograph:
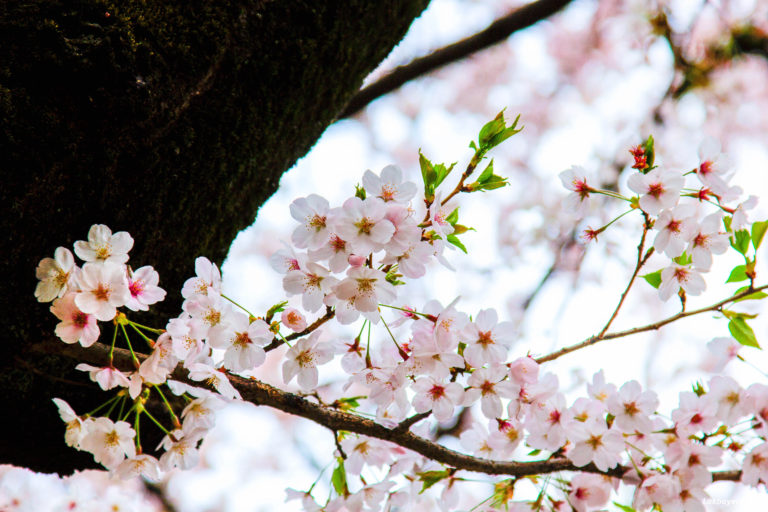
(496, 32)
(650, 327)
(640, 262)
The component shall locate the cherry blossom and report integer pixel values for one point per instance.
(589, 491)
(312, 283)
(293, 319)
(104, 289)
(594, 442)
(312, 213)
(437, 396)
(75, 326)
(390, 185)
(103, 246)
(142, 284)
(303, 358)
(109, 442)
(659, 189)
(575, 180)
(207, 279)
(487, 339)
(677, 227)
(363, 224)
(677, 276)
(632, 407)
(707, 240)
(107, 377)
(55, 275)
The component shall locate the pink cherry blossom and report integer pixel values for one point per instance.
(362, 223)
(312, 282)
(575, 180)
(487, 339)
(104, 289)
(293, 319)
(207, 279)
(438, 396)
(707, 240)
(589, 491)
(390, 186)
(659, 189)
(75, 326)
(632, 407)
(107, 377)
(303, 358)
(677, 227)
(594, 442)
(142, 284)
(312, 212)
(109, 442)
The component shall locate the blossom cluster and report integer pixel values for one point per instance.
(345, 265)
(686, 230)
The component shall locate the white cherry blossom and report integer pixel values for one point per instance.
(55, 274)
(103, 246)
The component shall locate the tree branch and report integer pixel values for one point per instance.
(650, 327)
(260, 393)
(495, 33)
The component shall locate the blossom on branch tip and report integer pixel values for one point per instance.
(207, 279)
(575, 180)
(363, 224)
(107, 377)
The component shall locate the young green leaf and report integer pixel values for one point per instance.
(742, 332)
(623, 508)
(653, 279)
(453, 217)
(740, 241)
(430, 478)
(453, 239)
(738, 274)
(496, 131)
(758, 231)
(339, 479)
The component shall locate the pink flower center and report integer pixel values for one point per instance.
(436, 392)
(136, 288)
(655, 190)
(706, 168)
(681, 274)
(674, 226)
(80, 319)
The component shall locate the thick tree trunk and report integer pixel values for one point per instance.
(170, 119)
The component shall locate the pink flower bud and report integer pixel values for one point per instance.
(294, 320)
(355, 260)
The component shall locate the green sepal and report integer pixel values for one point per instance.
(360, 192)
(727, 220)
(650, 153)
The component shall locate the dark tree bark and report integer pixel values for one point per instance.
(170, 119)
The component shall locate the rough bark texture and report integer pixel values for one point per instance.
(171, 119)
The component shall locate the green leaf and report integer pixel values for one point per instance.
(453, 239)
(650, 153)
(430, 478)
(486, 174)
(738, 274)
(339, 478)
(442, 172)
(277, 308)
(453, 217)
(758, 231)
(623, 508)
(534, 453)
(727, 223)
(491, 183)
(742, 332)
(740, 241)
(428, 175)
(496, 131)
(360, 192)
(653, 279)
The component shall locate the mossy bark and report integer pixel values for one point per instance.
(170, 119)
